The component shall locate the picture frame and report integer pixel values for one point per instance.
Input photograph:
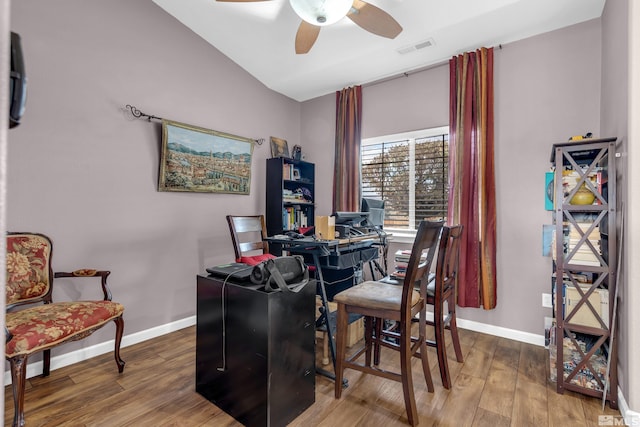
(279, 147)
(196, 159)
(296, 174)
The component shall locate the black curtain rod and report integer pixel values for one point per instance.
(417, 70)
(139, 114)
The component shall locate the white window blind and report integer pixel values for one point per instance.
(410, 173)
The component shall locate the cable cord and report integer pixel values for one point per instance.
(224, 318)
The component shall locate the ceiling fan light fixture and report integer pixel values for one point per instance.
(321, 12)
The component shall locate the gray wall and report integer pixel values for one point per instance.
(631, 317)
(85, 172)
(539, 99)
(615, 119)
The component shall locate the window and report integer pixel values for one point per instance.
(410, 172)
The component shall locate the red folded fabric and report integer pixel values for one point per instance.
(255, 259)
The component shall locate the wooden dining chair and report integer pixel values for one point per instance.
(248, 234)
(378, 301)
(441, 291)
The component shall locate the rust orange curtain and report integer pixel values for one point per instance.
(472, 201)
(346, 177)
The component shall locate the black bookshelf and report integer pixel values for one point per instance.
(290, 195)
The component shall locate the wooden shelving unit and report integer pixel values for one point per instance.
(583, 353)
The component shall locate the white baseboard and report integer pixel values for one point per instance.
(35, 369)
(499, 331)
(631, 417)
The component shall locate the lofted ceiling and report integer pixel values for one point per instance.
(260, 36)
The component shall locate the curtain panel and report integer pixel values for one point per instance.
(472, 200)
(346, 177)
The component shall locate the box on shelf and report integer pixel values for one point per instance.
(599, 299)
(325, 227)
(355, 330)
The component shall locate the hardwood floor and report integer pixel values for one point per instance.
(500, 383)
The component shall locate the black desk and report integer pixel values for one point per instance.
(330, 256)
(255, 359)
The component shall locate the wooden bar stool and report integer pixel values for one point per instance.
(443, 289)
(378, 301)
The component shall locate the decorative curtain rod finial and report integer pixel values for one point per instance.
(138, 114)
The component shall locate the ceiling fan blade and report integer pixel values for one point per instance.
(374, 19)
(306, 37)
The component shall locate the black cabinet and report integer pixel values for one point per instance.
(290, 195)
(255, 350)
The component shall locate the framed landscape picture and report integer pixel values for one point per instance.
(202, 160)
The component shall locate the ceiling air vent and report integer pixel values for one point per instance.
(414, 47)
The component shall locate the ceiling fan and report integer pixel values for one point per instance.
(318, 13)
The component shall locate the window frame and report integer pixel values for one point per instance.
(399, 234)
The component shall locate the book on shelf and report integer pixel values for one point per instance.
(587, 252)
(398, 274)
(401, 261)
(293, 219)
(287, 171)
(291, 173)
(403, 255)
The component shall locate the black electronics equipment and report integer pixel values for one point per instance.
(346, 231)
(376, 211)
(294, 235)
(233, 270)
(17, 82)
(285, 273)
(353, 219)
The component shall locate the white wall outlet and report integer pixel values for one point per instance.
(546, 301)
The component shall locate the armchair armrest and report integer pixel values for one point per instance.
(85, 272)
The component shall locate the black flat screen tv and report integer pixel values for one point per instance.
(17, 82)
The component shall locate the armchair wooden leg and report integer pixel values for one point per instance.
(46, 363)
(18, 378)
(119, 331)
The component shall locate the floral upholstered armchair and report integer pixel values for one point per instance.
(32, 327)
